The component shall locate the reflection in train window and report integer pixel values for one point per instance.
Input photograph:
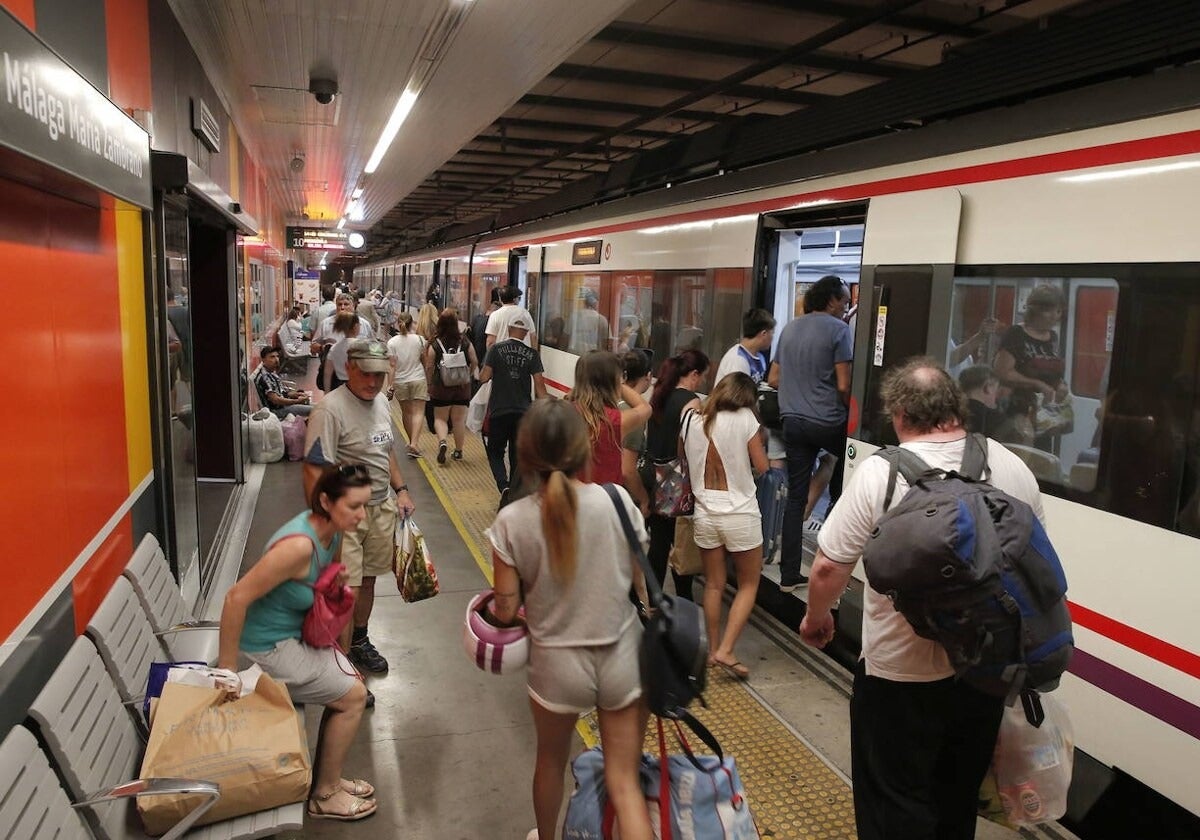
(1089, 374)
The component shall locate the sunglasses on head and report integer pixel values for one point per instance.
(353, 471)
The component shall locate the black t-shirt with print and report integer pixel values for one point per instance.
(1035, 358)
(512, 365)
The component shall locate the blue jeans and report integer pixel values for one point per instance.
(803, 441)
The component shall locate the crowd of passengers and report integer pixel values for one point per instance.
(921, 741)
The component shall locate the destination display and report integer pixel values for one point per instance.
(324, 239)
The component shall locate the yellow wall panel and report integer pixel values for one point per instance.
(132, 274)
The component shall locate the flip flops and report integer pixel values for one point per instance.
(734, 669)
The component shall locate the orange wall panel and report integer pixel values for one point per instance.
(21, 9)
(89, 587)
(128, 25)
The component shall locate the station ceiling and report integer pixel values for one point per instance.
(521, 99)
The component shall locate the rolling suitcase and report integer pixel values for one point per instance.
(772, 502)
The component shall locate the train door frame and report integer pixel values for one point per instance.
(518, 259)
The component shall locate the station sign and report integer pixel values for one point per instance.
(324, 239)
(52, 114)
(586, 253)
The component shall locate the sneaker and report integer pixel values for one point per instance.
(792, 587)
(532, 835)
(503, 499)
(442, 452)
(366, 657)
(370, 699)
(457, 455)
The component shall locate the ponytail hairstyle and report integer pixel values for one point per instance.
(334, 481)
(552, 447)
(404, 323)
(597, 387)
(669, 374)
(735, 391)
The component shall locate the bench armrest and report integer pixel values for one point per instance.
(185, 626)
(159, 787)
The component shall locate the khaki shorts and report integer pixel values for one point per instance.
(416, 390)
(735, 531)
(575, 680)
(312, 675)
(368, 550)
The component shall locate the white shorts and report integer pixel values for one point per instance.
(575, 680)
(735, 531)
(312, 675)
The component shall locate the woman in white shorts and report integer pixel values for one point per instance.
(563, 549)
(262, 620)
(724, 452)
(409, 386)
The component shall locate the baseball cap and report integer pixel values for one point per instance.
(509, 293)
(521, 321)
(371, 356)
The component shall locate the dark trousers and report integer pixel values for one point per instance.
(662, 537)
(803, 441)
(501, 439)
(919, 752)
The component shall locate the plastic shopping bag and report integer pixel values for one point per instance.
(294, 430)
(416, 578)
(266, 437)
(477, 409)
(1033, 764)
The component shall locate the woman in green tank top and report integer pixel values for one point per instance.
(262, 620)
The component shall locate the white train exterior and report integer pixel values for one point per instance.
(1094, 212)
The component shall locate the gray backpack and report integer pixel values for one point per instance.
(971, 567)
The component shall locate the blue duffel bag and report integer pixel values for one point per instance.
(707, 800)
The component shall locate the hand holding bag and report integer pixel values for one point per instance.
(416, 578)
(333, 606)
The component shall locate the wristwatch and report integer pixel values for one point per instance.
(403, 488)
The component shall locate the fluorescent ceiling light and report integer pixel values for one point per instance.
(1130, 173)
(403, 105)
(341, 223)
(357, 194)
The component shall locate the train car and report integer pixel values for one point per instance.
(943, 243)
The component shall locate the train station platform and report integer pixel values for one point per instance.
(451, 749)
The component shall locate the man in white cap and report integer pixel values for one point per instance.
(352, 425)
(498, 321)
(509, 365)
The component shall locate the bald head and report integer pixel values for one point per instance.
(923, 396)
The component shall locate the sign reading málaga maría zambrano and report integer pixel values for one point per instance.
(50, 113)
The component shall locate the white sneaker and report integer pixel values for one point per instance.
(532, 835)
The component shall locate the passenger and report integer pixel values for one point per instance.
(354, 424)
(749, 355)
(410, 389)
(327, 308)
(589, 328)
(556, 333)
(427, 319)
(815, 354)
(497, 325)
(565, 549)
(324, 333)
(366, 311)
(1028, 360)
(921, 740)
(262, 620)
(346, 327)
(636, 364)
(959, 357)
(434, 295)
(291, 335)
(479, 324)
(271, 393)
(599, 390)
(449, 401)
(511, 367)
(982, 388)
(724, 452)
(674, 394)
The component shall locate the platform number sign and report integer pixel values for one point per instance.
(880, 335)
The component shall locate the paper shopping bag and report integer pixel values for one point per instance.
(685, 554)
(254, 747)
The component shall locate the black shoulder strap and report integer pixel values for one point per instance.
(975, 463)
(701, 731)
(908, 464)
(653, 590)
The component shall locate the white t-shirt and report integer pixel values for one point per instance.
(326, 332)
(290, 334)
(735, 360)
(594, 608)
(731, 434)
(500, 320)
(890, 647)
(406, 352)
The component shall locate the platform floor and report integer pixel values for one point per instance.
(450, 749)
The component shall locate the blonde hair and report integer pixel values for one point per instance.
(735, 391)
(552, 447)
(597, 387)
(427, 321)
(404, 323)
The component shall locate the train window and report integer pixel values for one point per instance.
(1089, 374)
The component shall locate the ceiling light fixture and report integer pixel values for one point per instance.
(357, 194)
(403, 106)
(341, 223)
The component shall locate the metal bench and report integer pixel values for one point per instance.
(94, 746)
(188, 639)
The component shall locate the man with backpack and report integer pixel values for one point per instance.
(921, 736)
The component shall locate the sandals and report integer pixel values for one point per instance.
(359, 788)
(359, 808)
(734, 669)
(412, 452)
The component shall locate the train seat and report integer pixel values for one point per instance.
(1044, 465)
(1083, 477)
(189, 640)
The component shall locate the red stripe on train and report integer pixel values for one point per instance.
(1144, 643)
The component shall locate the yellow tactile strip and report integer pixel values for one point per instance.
(794, 795)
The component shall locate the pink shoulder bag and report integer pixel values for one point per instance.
(333, 604)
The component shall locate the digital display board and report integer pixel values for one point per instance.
(586, 253)
(324, 239)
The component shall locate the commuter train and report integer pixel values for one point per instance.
(937, 231)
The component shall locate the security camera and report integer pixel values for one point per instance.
(323, 89)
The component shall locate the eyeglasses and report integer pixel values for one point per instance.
(353, 471)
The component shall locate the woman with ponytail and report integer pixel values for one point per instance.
(598, 393)
(674, 395)
(583, 629)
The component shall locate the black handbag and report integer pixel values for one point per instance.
(674, 653)
(768, 407)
